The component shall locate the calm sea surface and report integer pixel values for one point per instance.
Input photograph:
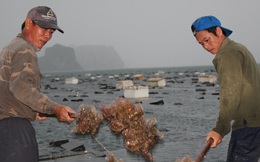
(189, 112)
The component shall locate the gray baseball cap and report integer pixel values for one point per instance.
(44, 17)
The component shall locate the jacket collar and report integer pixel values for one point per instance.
(224, 44)
(24, 38)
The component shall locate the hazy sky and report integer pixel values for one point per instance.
(145, 33)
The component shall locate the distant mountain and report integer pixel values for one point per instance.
(98, 57)
(60, 58)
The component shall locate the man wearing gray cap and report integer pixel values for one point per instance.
(20, 98)
(239, 81)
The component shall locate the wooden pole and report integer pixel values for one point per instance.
(204, 151)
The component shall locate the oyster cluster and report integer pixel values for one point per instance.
(186, 158)
(88, 120)
(127, 118)
(111, 158)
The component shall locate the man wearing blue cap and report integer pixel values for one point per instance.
(20, 98)
(239, 80)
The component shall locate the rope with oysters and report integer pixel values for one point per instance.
(125, 117)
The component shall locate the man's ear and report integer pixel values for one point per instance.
(219, 31)
(28, 23)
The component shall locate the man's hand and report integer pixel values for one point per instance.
(216, 137)
(64, 113)
(41, 117)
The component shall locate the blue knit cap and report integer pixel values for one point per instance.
(207, 22)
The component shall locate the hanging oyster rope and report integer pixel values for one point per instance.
(88, 120)
(126, 117)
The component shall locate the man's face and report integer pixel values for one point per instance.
(40, 36)
(209, 41)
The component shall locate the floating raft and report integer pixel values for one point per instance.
(156, 82)
(123, 84)
(136, 92)
(74, 151)
(138, 77)
(207, 78)
(71, 80)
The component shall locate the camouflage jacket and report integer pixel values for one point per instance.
(20, 80)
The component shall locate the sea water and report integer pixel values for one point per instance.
(185, 118)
